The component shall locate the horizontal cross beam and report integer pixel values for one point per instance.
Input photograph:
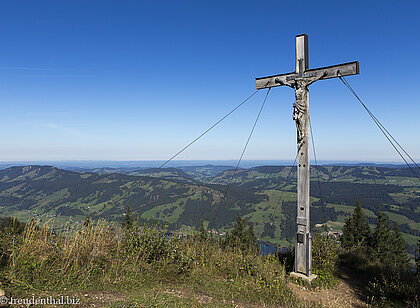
(346, 69)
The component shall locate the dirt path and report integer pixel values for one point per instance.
(347, 292)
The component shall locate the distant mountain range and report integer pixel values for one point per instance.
(81, 165)
(183, 196)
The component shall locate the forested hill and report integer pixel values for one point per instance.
(45, 191)
(334, 190)
(182, 196)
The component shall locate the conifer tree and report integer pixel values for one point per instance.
(398, 255)
(87, 222)
(347, 239)
(128, 218)
(239, 231)
(381, 237)
(242, 237)
(251, 238)
(361, 228)
(388, 245)
(202, 233)
(356, 230)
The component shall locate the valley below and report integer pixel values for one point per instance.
(182, 196)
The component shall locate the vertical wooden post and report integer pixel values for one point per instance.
(302, 59)
(303, 257)
(300, 81)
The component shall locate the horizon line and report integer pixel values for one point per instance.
(194, 160)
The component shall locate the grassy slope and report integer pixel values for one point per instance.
(142, 268)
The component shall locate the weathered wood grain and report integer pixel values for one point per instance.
(346, 69)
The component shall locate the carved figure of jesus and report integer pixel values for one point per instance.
(300, 109)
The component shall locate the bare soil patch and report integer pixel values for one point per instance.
(347, 292)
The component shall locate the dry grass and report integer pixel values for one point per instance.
(95, 257)
(77, 257)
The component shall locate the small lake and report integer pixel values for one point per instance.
(270, 249)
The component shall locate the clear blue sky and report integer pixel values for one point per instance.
(138, 80)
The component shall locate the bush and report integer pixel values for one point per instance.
(382, 263)
(287, 258)
(384, 285)
(239, 274)
(11, 231)
(97, 256)
(394, 286)
(151, 244)
(325, 252)
(79, 258)
(242, 237)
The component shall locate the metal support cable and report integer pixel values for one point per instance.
(179, 152)
(242, 154)
(205, 132)
(317, 172)
(284, 187)
(246, 144)
(384, 131)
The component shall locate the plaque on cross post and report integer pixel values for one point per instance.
(300, 81)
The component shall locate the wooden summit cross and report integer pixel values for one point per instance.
(300, 81)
